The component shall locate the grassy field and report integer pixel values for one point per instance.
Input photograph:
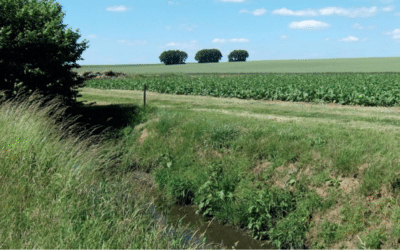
(384, 64)
(304, 174)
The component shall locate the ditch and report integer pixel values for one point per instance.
(218, 235)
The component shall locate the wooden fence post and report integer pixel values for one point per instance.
(144, 96)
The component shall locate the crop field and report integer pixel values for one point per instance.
(366, 89)
(299, 155)
(361, 89)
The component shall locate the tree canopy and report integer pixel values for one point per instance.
(36, 52)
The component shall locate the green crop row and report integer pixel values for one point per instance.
(360, 89)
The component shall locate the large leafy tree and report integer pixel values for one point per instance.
(36, 52)
(238, 56)
(173, 57)
(208, 55)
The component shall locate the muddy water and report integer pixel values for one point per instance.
(218, 235)
(223, 235)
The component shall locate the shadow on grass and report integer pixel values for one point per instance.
(96, 119)
(114, 116)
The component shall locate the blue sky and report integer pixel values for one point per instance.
(137, 32)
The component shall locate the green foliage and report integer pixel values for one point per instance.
(238, 56)
(179, 189)
(329, 232)
(220, 136)
(316, 142)
(373, 240)
(295, 228)
(206, 56)
(216, 191)
(36, 52)
(182, 190)
(173, 57)
(345, 89)
(266, 210)
(164, 174)
(290, 232)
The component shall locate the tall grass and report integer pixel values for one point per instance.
(55, 193)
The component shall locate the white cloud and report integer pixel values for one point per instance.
(286, 12)
(168, 27)
(352, 39)
(327, 39)
(395, 34)
(309, 24)
(217, 40)
(387, 9)
(117, 8)
(257, 12)
(283, 37)
(192, 45)
(349, 39)
(358, 12)
(91, 36)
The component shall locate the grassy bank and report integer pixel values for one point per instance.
(56, 194)
(300, 175)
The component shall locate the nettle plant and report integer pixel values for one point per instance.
(270, 213)
(218, 189)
